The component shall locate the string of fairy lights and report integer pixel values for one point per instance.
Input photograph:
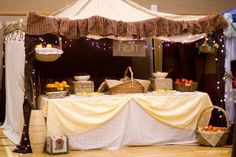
(223, 79)
(103, 45)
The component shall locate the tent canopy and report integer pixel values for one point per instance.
(119, 19)
(119, 10)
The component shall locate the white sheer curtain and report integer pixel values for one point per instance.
(1, 52)
(14, 63)
(230, 45)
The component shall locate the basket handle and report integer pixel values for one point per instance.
(102, 87)
(219, 108)
(60, 41)
(131, 72)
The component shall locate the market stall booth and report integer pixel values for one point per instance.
(100, 19)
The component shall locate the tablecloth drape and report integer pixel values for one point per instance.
(78, 114)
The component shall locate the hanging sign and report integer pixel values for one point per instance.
(129, 48)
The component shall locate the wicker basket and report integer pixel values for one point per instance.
(131, 86)
(163, 83)
(219, 137)
(126, 84)
(51, 89)
(49, 54)
(45, 57)
(185, 88)
(84, 86)
(206, 48)
(55, 95)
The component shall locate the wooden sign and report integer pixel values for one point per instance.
(135, 48)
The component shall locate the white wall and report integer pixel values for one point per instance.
(190, 6)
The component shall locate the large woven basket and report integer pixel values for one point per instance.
(126, 85)
(202, 140)
(131, 86)
(48, 54)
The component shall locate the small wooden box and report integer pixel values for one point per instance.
(84, 86)
(57, 145)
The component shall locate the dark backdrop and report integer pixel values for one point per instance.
(81, 56)
(185, 61)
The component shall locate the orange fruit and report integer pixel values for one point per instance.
(64, 82)
(56, 83)
(60, 88)
(60, 85)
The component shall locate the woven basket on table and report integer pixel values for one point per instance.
(222, 140)
(182, 87)
(48, 54)
(83, 86)
(125, 85)
(56, 95)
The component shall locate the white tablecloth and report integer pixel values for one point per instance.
(132, 126)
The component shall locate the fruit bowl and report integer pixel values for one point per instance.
(160, 74)
(82, 78)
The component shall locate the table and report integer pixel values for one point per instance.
(111, 121)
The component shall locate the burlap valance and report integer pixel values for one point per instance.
(96, 25)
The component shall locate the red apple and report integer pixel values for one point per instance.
(210, 126)
(187, 84)
(205, 128)
(223, 129)
(214, 129)
(190, 81)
